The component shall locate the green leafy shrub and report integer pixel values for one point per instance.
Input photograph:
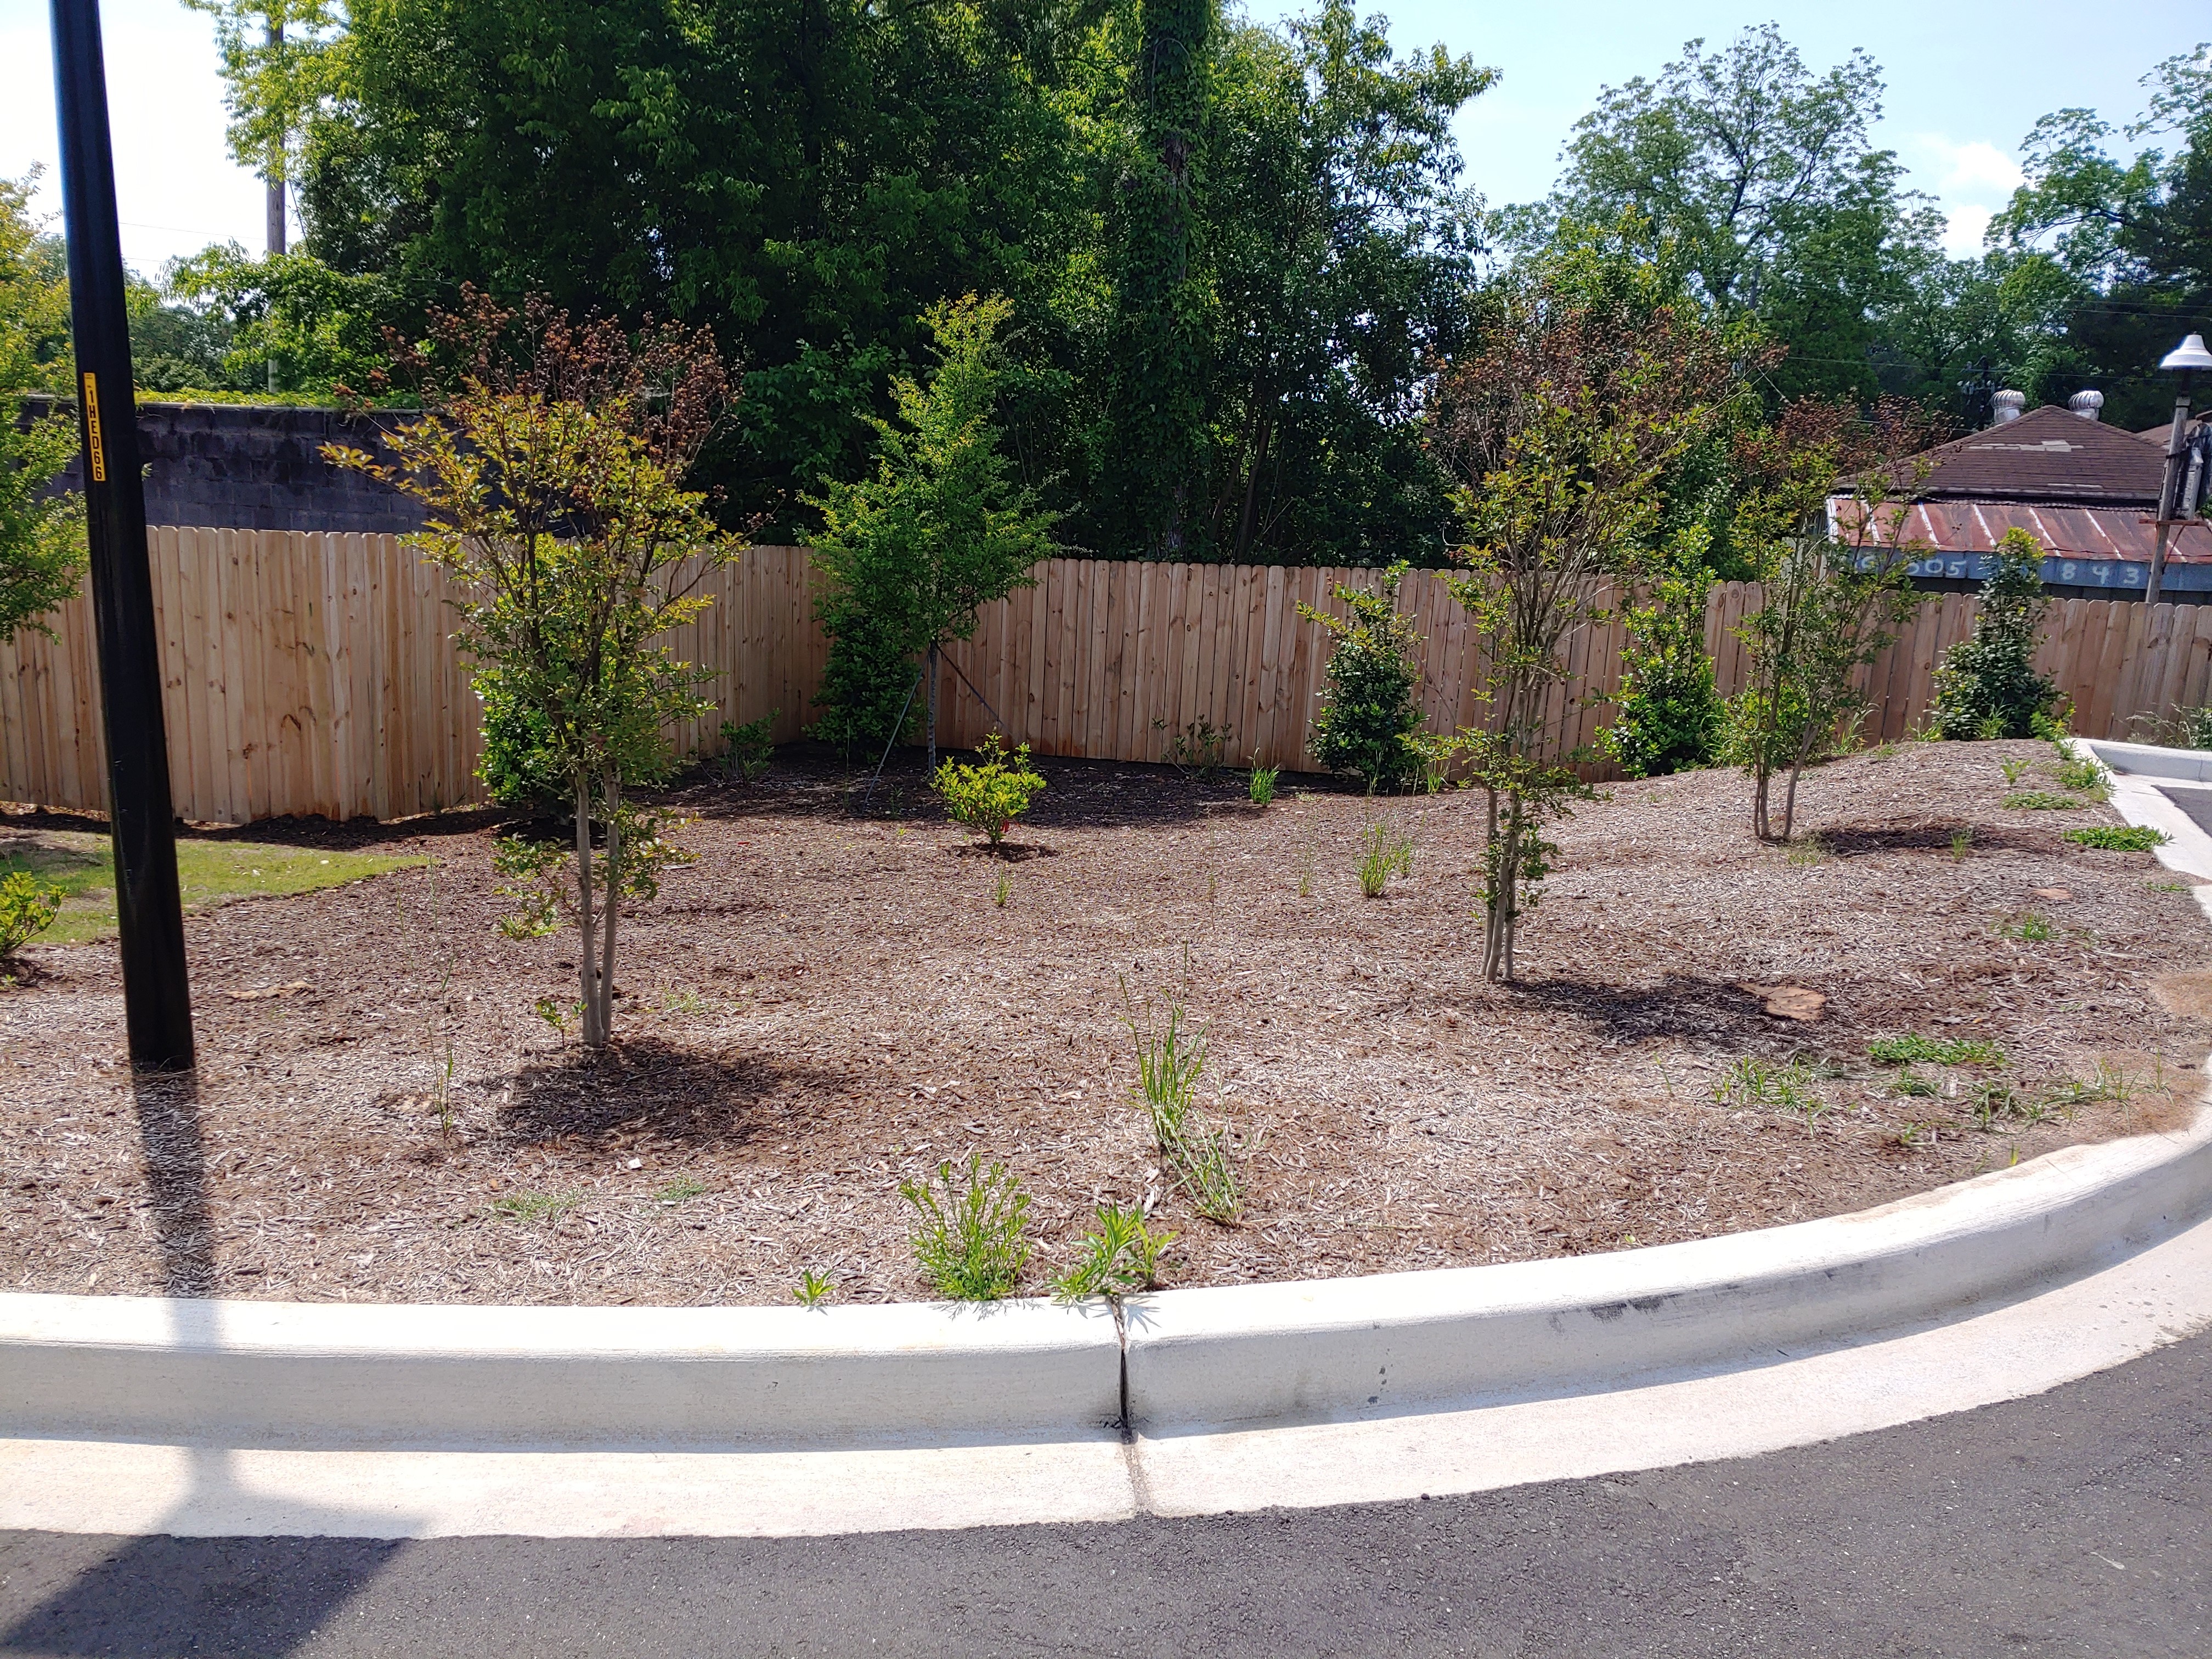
(1670, 710)
(1369, 714)
(28, 908)
(1123, 1254)
(747, 750)
(2118, 838)
(970, 1237)
(1987, 686)
(987, 797)
(1196, 752)
(520, 768)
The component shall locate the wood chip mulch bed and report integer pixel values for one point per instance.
(824, 1003)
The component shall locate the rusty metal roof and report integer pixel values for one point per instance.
(2050, 455)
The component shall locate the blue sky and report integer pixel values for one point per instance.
(1965, 82)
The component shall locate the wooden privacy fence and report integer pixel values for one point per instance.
(309, 673)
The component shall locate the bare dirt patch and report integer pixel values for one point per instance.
(823, 1004)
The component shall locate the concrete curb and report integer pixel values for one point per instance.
(248, 1373)
(318, 1374)
(1450, 1339)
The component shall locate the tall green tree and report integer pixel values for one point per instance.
(41, 534)
(913, 550)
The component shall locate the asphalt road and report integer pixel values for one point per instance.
(2077, 1523)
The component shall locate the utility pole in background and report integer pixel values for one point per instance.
(142, 823)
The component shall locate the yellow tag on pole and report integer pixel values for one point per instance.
(98, 449)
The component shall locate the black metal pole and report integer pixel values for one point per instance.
(157, 1000)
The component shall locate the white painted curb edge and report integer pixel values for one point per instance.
(246, 1374)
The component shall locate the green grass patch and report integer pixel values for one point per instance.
(2118, 837)
(210, 873)
(1912, 1048)
(2039, 800)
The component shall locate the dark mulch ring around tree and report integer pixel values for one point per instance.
(823, 1005)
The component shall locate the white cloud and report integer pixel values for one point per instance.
(1963, 230)
(1974, 170)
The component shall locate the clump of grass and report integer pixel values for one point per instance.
(2014, 770)
(1993, 1104)
(1123, 1254)
(1169, 1058)
(1002, 891)
(1913, 1049)
(2118, 838)
(1762, 1084)
(1388, 853)
(970, 1235)
(1807, 850)
(1306, 869)
(1911, 1086)
(684, 1002)
(535, 1207)
(1263, 782)
(680, 1190)
(2042, 800)
(813, 1288)
(2029, 928)
(1962, 840)
(2109, 1082)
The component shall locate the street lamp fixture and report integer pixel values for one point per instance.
(2185, 359)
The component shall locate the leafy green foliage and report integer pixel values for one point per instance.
(1987, 686)
(2118, 838)
(1370, 714)
(1123, 1254)
(986, 798)
(28, 908)
(2042, 800)
(1169, 1059)
(323, 328)
(911, 552)
(1670, 712)
(747, 750)
(971, 1229)
(1198, 750)
(813, 1288)
(1260, 787)
(41, 536)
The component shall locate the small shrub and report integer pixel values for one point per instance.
(1670, 712)
(1370, 714)
(2057, 725)
(2118, 838)
(813, 1288)
(1987, 687)
(1913, 1049)
(986, 799)
(2080, 775)
(1388, 853)
(2030, 929)
(2039, 800)
(1123, 1254)
(747, 750)
(1196, 752)
(969, 1236)
(2014, 770)
(28, 908)
(1262, 785)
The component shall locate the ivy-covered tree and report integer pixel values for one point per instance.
(911, 552)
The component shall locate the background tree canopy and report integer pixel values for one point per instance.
(1238, 258)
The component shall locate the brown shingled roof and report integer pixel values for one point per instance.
(2048, 454)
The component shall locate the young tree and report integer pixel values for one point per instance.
(1669, 706)
(912, 552)
(1832, 595)
(1369, 727)
(41, 535)
(1563, 425)
(1987, 686)
(551, 459)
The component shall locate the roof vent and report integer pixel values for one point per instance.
(2009, 406)
(2089, 405)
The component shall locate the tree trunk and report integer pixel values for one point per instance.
(611, 914)
(586, 957)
